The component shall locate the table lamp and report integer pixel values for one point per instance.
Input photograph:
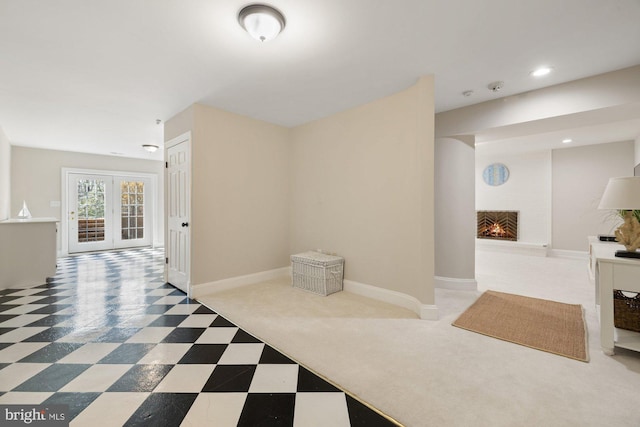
(623, 195)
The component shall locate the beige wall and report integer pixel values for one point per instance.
(240, 194)
(579, 176)
(455, 213)
(36, 178)
(362, 187)
(5, 176)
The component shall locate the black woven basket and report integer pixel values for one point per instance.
(626, 311)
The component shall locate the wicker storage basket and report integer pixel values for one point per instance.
(317, 272)
(626, 311)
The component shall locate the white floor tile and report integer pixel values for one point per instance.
(163, 292)
(110, 409)
(28, 299)
(185, 379)
(24, 293)
(198, 321)
(20, 334)
(215, 409)
(217, 336)
(97, 378)
(183, 309)
(14, 375)
(275, 379)
(23, 309)
(150, 335)
(17, 351)
(321, 410)
(165, 354)
(22, 320)
(241, 354)
(169, 300)
(89, 353)
(24, 398)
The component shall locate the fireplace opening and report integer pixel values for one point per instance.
(498, 225)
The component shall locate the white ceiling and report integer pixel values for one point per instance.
(94, 75)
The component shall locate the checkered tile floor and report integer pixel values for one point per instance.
(109, 338)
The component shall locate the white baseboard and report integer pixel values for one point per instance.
(236, 282)
(425, 311)
(563, 253)
(455, 284)
(523, 248)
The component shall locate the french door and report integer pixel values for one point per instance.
(108, 212)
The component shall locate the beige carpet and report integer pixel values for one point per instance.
(545, 325)
(429, 373)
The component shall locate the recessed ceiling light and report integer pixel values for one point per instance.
(542, 71)
(567, 141)
(467, 93)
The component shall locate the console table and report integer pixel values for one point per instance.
(614, 273)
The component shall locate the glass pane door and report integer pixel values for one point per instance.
(90, 214)
(132, 212)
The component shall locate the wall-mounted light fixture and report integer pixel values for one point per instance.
(261, 21)
(150, 147)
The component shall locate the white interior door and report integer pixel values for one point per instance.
(90, 212)
(108, 211)
(178, 211)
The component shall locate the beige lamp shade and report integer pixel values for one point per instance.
(622, 193)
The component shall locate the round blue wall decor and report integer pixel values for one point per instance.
(495, 174)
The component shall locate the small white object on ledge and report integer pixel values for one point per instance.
(24, 212)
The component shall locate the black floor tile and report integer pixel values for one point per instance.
(127, 353)
(204, 310)
(245, 338)
(203, 354)
(117, 335)
(7, 299)
(4, 345)
(51, 353)
(183, 335)
(362, 416)
(50, 309)
(6, 307)
(268, 410)
(230, 378)
(51, 320)
(52, 378)
(168, 320)
(157, 309)
(6, 330)
(49, 335)
(310, 382)
(273, 356)
(5, 317)
(221, 322)
(162, 409)
(141, 378)
(53, 300)
(77, 402)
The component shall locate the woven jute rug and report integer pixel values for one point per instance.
(545, 325)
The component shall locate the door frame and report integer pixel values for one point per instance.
(183, 138)
(64, 206)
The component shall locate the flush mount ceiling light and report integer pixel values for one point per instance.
(567, 141)
(150, 147)
(542, 71)
(262, 22)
